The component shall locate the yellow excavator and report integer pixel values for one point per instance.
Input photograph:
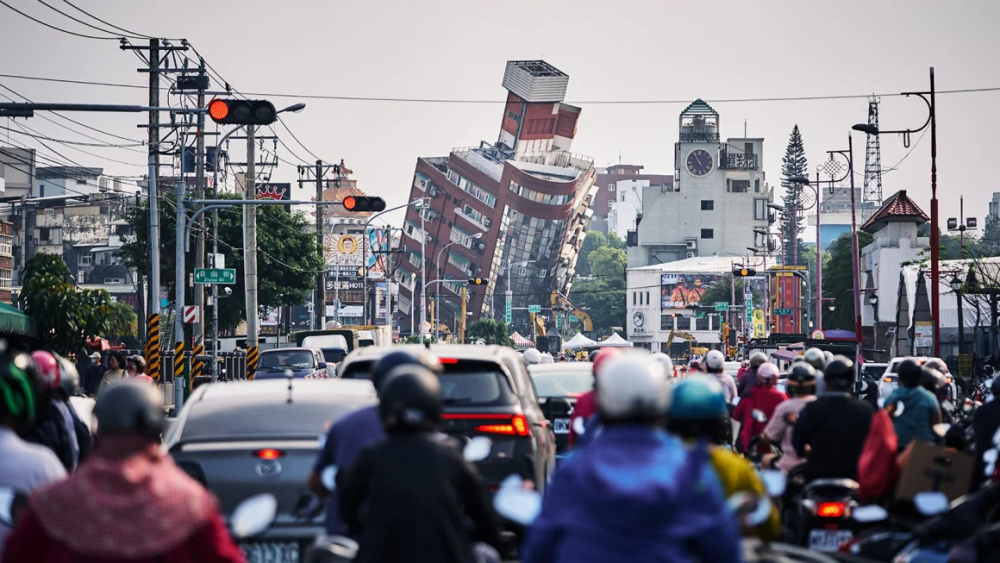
(691, 340)
(560, 301)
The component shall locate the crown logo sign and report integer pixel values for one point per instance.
(271, 192)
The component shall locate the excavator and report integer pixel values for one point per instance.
(561, 302)
(692, 349)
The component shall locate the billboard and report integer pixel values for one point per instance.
(682, 291)
(274, 191)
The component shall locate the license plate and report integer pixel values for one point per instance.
(828, 540)
(271, 552)
(560, 426)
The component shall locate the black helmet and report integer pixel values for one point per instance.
(20, 386)
(410, 400)
(801, 379)
(909, 373)
(756, 359)
(392, 360)
(931, 379)
(816, 358)
(130, 408)
(839, 374)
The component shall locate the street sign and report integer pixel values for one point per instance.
(721, 306)
(224, 276)
(783, 312)
(508, 313)
(191, 314)
(534, 308)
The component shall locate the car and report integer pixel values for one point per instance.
(241, 439)
(487, 392)
(304, 363)
(559, 386)
(889, 381)
(333, 346)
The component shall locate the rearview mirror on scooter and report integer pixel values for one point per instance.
(774, 482)
(930, 503)
(329, 477)
(758, 415)
(477, 449)
(752, 510)
(515, 503)
(870, 513)
(8, 498)
(254, 515)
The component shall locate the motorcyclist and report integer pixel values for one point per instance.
(349, 436)
(801, 390)
(749, 379)
(698, 411)
(914, 410)
(69, 383)
(636, 493)
(532, 356)
(666, 362)
(986, 431)
(755, 411)
(831, 430)
(24, 466)
(53, 426)
(409, 497)
(127, 501)
(714, 364)
(817, 359)
(585, 406)
(944, 391)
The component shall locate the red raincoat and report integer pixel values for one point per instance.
(764, 399)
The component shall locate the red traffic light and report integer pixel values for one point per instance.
(218, 110)
(363, 203)
(242, 112)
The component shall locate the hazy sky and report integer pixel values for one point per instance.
(612, 51)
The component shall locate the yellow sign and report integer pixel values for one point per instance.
(759, 329)
(347, 244)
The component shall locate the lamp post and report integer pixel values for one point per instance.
(956, 286)
(437, 295)
(928, 98)
(873, 301)
(961, 224)
(364, 253)
(803, 181)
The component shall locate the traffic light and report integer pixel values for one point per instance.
(363, 203)
(744, 272)
(479, 281)
(242, 112)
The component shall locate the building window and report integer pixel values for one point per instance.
(85, 260)
(738, 186)
(647, 298)
(760, 209)
(707, 233)
(633, 298)
(611, 187)
(707, 205)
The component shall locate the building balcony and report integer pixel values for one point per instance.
(475, 158)
(699, 137)
(738, 161)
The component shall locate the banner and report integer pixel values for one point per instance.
(682, 291)
(759, 326)
(378, 245)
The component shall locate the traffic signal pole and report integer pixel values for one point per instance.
(198, 329)
(250, 251)
(178, 367)
(321, 278)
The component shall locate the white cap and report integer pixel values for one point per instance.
(633, 386)
(715, 360)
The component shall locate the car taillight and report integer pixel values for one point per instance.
(448, 360)
(887, 379)
(518, 426)
(269, 454)
(831, 510)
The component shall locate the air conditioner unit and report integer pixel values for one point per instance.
(487, 221)
(691, 244)
(691, 254)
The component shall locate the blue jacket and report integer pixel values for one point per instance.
(634, 494)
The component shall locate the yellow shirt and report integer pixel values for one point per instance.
(737, 475)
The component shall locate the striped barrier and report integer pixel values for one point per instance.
(178, 361)
(199, 362)
(153, 348)
(253, 355)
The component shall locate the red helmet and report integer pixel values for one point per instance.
(48, 368)
(603, 356)
(767, 374)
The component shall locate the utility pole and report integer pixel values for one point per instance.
(321, 278)
(180, 195)
(153, 321)
(198, 329)
(250, 254)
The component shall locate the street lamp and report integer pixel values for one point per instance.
(418, 202)
(928, 98)
(956, 284)
(961, 223)
(440, 276)
(803, 181)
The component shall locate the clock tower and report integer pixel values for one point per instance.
(696, 154)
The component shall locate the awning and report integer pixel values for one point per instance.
(786, 355)
(14, 321)
(578, 341)
(520, 341)
(614, 341)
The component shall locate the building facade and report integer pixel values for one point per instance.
(716, 202)
(513, 212)
(619, 197)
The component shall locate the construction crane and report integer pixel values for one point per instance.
(691, 340)
(560, 301)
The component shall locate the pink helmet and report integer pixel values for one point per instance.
(602, 357)
(767, 374)
(48, 368)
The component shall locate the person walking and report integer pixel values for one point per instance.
(135, 368)
(115, 371)
(93, 375)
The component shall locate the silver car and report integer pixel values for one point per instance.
(889, 381)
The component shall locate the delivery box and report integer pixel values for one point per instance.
(927, 467)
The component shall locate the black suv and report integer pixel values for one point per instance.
(487, 392)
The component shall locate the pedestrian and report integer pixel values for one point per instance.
(749, 379)
(636, 492)
(349, 436)
(128, 502)
(413, 497)
(754, 411)
(92, 377)
(801, 389)
(23, 466)
(831, 431)
(135, 367)
(115, 371)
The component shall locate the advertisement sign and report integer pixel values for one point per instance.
(269, 318)
(682, 291)
(343, 250)
(274, 191)
(378, 245)
(923, 334)
(759, 328)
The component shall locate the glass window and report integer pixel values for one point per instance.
(707, 205)
(611, 187)
(760, 209)
(565, 384)
(707, 233)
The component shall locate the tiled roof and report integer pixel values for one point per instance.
(899, 207)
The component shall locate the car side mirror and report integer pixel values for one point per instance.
(322, 365)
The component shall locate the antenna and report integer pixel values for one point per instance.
(873, 164)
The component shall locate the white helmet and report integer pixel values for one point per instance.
(532, 356)
(714, 360)
(666, 362)
(633, 386)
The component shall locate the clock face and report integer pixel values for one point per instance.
(699, 162)
(638, 319)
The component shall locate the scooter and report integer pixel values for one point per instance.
(823, 515)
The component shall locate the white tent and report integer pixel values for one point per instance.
(614, 341)
(577, 342)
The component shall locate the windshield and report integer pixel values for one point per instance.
(570, 384)
(294, 359)
(466, 383)
(325, 341)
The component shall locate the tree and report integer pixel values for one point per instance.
(603, 296)
(722, 291)
(790, 224)
(591, 242)
(124, 324)
(65, 317)
(838, 281)
(288, 256)
(489, 331)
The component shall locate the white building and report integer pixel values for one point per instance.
(717, 200)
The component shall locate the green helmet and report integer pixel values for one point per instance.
(698, 398)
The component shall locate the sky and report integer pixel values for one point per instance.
(659, 50)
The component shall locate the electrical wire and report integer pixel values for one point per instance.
(77, 20)
(66, 142)
(25, 98)
(109, 24)
(57, 28)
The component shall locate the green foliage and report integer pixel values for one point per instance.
(288, 257)
(64, 316)
(123, 323)
(489, 331)
(415, 339)
(603, 297)
(792, 164)
(838, 281)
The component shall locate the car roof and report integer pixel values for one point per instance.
(291, 349)
(270, 391)
(560, 368)
(460, 351)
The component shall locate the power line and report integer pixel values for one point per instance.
(50, 26)
(66, 142)
(77, 20)
(138, 35)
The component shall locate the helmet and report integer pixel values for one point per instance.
(666, 362)
(532, 356)
(603, 356)
(397, 358)
(909, 373)
(816, 358)
(839, 374)
(828, 355)
(767, 374)
(931, 379)
(410, 400)
(138, 360)
(632, 386)
(756, 359)
(48, 369)
(938, 364)
(714, 361)
(698, 398)
(69, 377)
(801, 379)
(130, 408)
(19, 386)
